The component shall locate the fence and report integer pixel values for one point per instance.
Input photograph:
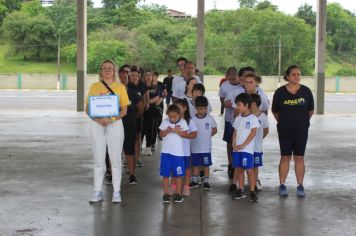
(69, 82)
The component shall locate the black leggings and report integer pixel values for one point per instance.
(150, 119)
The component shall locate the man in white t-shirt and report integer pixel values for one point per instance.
(179, 83)
(201, 145)
(231, 86)
(243, 143)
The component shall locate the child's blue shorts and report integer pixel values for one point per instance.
(242, 160)
(201, 159)
(258, 159)
(187, 162)
(172, 165)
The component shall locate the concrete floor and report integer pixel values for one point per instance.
(46, 181)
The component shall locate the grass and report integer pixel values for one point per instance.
(17, 65)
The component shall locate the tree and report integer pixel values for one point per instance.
(8, 6)
(259, 44)
(266, 5)
(33, 8)
(113, 4)
(247, 3)
(3, 11)
(341, 26)
(34, 36)
(306, 13)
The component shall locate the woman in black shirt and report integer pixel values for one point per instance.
(292, 106)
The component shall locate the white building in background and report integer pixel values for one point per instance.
(177, 14)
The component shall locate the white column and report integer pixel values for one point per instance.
(81, 52)
(320, 49)
(200, 38)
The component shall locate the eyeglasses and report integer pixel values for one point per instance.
(107, 68)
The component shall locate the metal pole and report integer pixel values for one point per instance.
(59, 62)
(320, 55)
(200, 38)
(81, 52)
(279, 61)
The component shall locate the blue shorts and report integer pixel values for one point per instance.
(172, 165)
(201, 159)
(242, 160)
(187, 162)
(258, 159)
(228, 131)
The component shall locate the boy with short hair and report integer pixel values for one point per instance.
(243, 142)
(197, 91)
(262, 132)
(201, 145)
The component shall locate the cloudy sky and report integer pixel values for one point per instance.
(287, 6)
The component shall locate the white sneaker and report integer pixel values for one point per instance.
(116, 197)
(97, 197)
(144, 151)
(149, 152)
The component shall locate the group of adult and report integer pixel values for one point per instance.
(141, 97)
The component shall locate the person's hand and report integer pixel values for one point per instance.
(239, 147)
(177, 129)
(169, 129)
(104, 121)
(228, 103)
(234, 147)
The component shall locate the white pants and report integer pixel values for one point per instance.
(113, 137)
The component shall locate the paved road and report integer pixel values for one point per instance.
(46, 180)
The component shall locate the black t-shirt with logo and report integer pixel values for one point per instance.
(293, 109)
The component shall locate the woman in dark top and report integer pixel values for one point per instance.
(153, 98)
(292, 106)
(136, 85)
(134, 109)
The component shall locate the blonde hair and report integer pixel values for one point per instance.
(115, 70)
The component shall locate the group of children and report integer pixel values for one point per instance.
(187, 141)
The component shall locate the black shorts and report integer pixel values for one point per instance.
(292, 142)
(228, 132)
(129, 141)
(139, 124)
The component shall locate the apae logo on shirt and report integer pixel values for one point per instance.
(179, 170)
(247, 125)
(294, 102)
(207, 125)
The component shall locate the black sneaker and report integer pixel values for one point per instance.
(132, 180)
(206, 186)
(193, 185)
(256, 189)
(108, 179)
(166, 198)
(178, 198)
(238, 195)
(232, 189)
(253, 197)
